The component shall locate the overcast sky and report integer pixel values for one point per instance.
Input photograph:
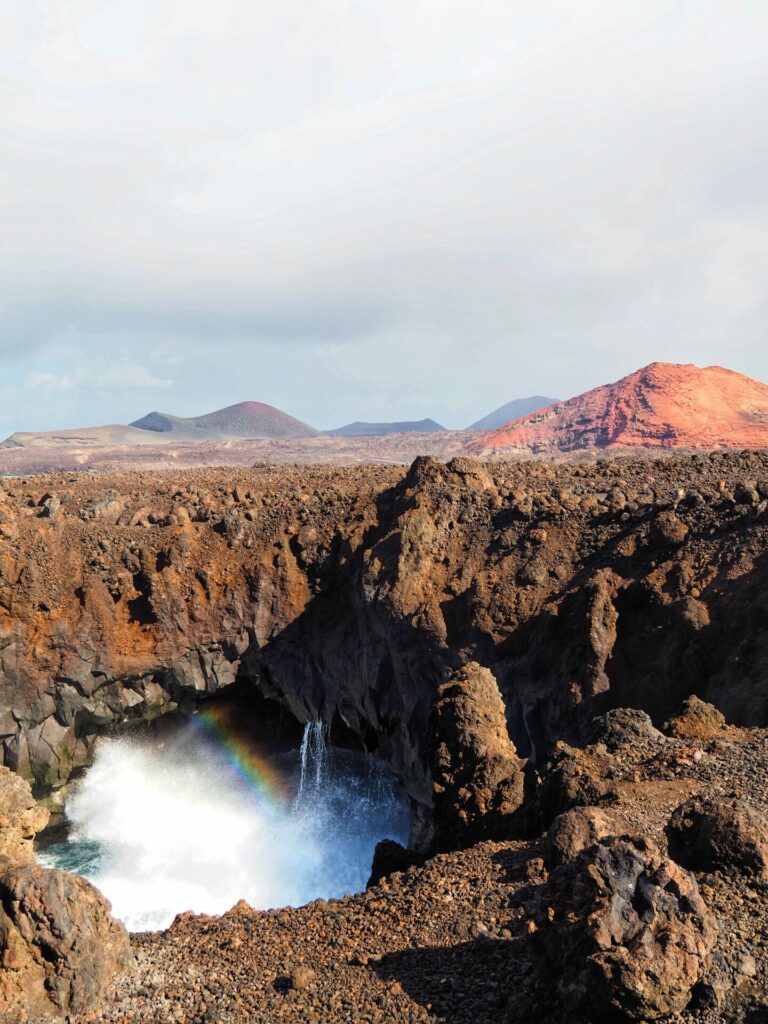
(379, 209)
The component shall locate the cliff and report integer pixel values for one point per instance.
(354, 594)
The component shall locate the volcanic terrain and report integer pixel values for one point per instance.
(564, 666)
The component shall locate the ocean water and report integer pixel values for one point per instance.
(164, 827)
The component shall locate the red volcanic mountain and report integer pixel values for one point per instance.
(244, 420)
(664, 405)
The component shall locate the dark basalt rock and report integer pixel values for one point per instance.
(389, 857)
(726, 834)
(623, 727)
(578, 829)
(573, 777)
(478, 780)
(626, 931)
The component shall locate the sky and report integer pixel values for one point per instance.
(379, 209)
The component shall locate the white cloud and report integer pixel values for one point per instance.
(511, 196)
(121, 375)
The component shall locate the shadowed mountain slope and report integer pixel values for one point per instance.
(511, 411)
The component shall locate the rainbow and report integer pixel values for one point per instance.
(247, 761)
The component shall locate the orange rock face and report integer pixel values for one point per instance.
(664, 405)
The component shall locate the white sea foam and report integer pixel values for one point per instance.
(160, 830)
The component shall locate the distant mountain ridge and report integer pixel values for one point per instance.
(511, 411)
(243, 420)
(362, 429)
(663, 405)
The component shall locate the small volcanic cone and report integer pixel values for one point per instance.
(664, 405)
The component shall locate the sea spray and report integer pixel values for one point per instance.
(163, 828)
(313, 763)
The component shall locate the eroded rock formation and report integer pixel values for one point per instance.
(59, 946)
(478, 780)
(352, 595)
(631, 935)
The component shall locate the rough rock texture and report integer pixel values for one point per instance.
(631, 936)
(622, 727)
(477, 776)
(578, 829)
(59, 946)
(723, 834)
(21, 818)
(696, 721)
(663, 405)
(352, 595)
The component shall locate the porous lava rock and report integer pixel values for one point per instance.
(578, 829)
(621, 727)
(59, 946)
(21, 818)
(697, 720)
(477, 776)
(627, 932)
(572, 777)
(724, 834)
(390, 856)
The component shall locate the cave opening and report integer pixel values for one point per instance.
(232, 799)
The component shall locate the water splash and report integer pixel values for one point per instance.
(313, 763)
(163, 828)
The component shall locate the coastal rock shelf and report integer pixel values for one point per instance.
(353, 594)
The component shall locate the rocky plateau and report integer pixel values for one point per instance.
(565, 666)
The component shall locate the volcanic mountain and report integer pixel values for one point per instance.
(362, 429)
(244, 420)
(664, 405)
(511, 411)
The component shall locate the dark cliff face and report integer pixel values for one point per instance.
(356, 593)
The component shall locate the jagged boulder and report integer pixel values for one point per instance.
(727, 834)
(21, 818)
(578, 829)
(624, 727)
(626, 932)
(59, 946)
(697, 720)
(389, 857)
(477, 776)
(572, 777)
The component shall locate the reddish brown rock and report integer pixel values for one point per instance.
(578, 829)
(723, 834)
(59, 946)
(627, 931)
(21, 818)
(697, 721)
(477, 775)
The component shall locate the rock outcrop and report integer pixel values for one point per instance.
(627, 931)
(59, 946)
(478, 781)
(352, 595)
(722, 834)
(576, 830)
(21, 818)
